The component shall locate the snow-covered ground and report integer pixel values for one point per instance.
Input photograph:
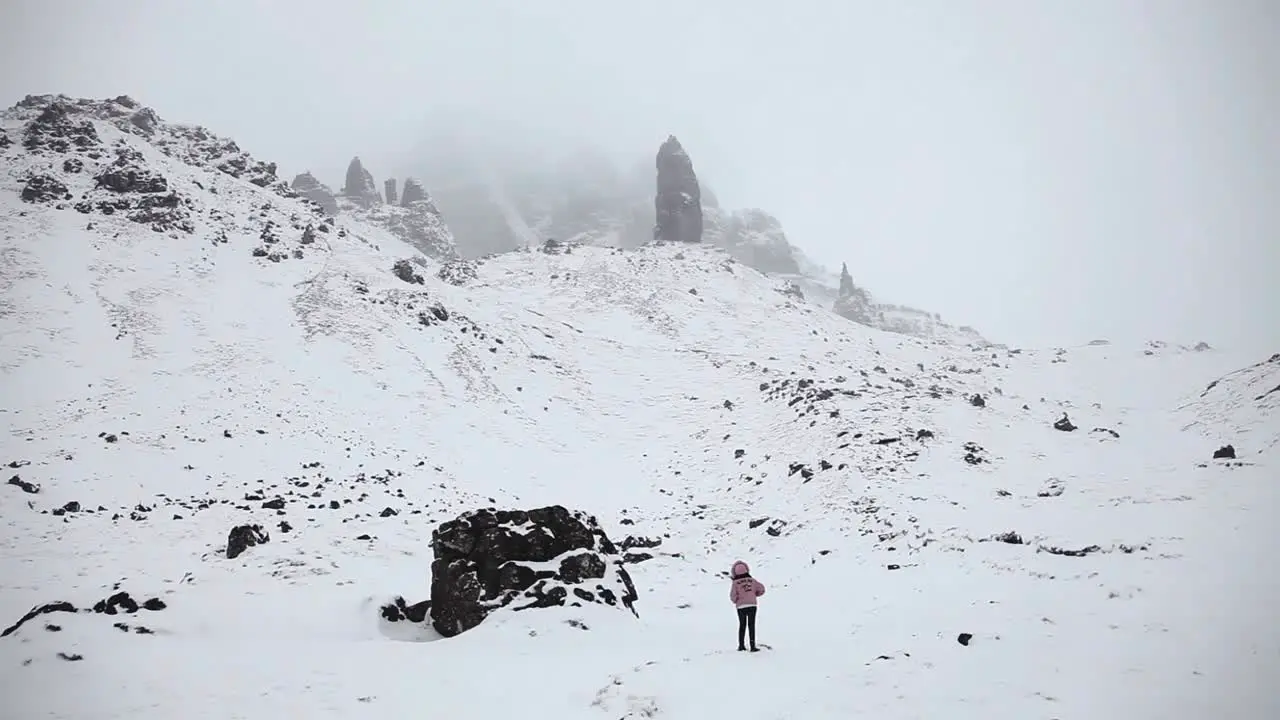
(170, 384)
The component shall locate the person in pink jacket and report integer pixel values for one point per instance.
(743, 593)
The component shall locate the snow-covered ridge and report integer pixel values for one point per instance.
(1241, 408)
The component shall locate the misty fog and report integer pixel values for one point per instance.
(1047, 172)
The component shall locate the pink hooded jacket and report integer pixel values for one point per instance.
(745, 589)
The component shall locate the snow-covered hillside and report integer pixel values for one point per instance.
(181, 360)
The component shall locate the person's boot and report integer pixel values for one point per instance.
(755, 649)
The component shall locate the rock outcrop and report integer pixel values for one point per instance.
(389, 188)
(678, 202)
(414, 193)
(360, 188)
(489, 559)
(416, 221)
(755, 239)
(853, 303)
(317, 192)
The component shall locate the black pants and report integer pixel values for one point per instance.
(747, 622)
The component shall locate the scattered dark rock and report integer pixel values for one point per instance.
(1064, 424)
(398, 611)
(974, 454)
(388, 512)
(1107, 431)
(44, 189)
(120, 601)
(274, 504)
(128, 179)
(1088, 550)
(1226, 452)
(1012, 538)
(243, 537)
(1052, 488)
(923, 434)
(964, 638)
(977, 401)
(26, 487)
(633, 541)
(37, 612)
(404, 270)
(70, 658)
(57, 128)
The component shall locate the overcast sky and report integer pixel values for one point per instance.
(1049, 172)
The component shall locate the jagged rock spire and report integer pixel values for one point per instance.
(678, 202)
(360, 187)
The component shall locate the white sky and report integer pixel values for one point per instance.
(1049, 172)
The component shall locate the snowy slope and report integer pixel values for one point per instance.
(172, 382)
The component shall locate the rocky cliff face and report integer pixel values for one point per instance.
(317, 192)
(755, 238)
(678, 201)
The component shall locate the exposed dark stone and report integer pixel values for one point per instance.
(1087, 550)
(38, 611)
(405, 270)
(485, 559)
(243, 537)
(131, 180)
(1226, 452)
(632, 541)
(974, 454)
(57, 128)
(44, 189)
(120, 601)
(27, 487)
(398, 610)
(1064, 424)
(964, 638)
(977, 401)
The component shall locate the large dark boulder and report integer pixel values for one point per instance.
(489, 559)
(678, 202)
